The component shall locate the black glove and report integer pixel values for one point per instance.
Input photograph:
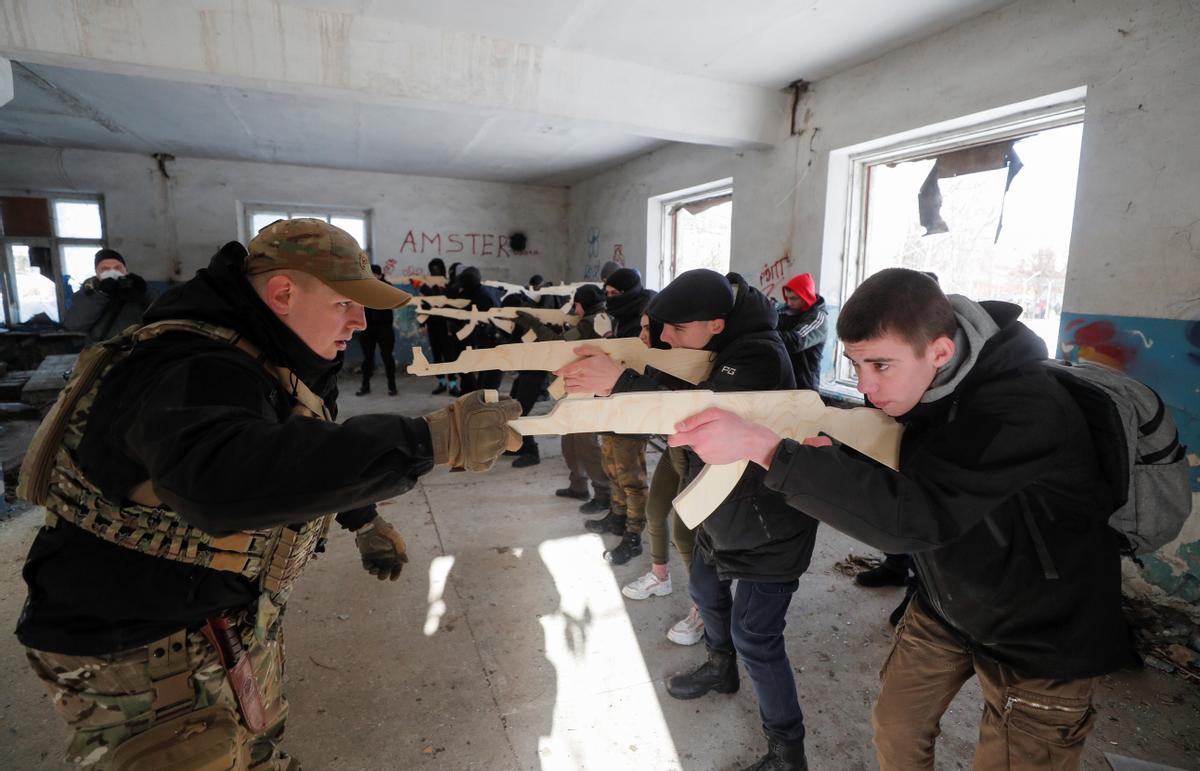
(130, 287)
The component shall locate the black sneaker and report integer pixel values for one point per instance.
(441, 389)
(567, 492)
(596, 505)
(718, 673)
(392, 390)
(363, 391)
(611, 522)
(629, 547)
(526, 459)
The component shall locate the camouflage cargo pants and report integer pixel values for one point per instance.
(625, 464)
(168, 704)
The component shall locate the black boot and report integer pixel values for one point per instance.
(596, 505)
(782, 756)
(366, 389)
(441, 388)
(567, 492)
(718, 673)
(391, 388)
(611, 522)
(525, 459)
(884, 575)
(629, 547)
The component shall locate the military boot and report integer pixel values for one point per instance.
(629, 547)
(366, 389)
(612, 522)
(782, 755)
(718, 673)
(601, 502)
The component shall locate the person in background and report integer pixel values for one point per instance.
(380, 333)
(802, 321)
(435, 326)
(624, 456)
(109, 301)
(582, 451)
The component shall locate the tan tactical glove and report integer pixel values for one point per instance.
(382, 549)
(472, 432)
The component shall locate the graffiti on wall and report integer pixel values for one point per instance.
(774, 275)
(1165, 355)
(461, 244)
(591, 270)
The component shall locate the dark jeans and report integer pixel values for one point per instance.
(387, 344)
(751, 622)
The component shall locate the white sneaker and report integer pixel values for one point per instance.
(646, 587)
(689, 631)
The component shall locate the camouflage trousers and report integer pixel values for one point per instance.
(624, 460)
(168, 704)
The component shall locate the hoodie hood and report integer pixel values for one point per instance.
(752, 312)
(628, 307)
(220, 294)
(989, 340)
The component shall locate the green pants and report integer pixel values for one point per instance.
(625, 464)
(664, 486)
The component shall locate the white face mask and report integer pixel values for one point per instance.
(110, 273)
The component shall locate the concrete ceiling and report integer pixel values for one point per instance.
(541, 91)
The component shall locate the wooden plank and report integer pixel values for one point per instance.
(502, 318)
(791, 414)
(48, 379)
(419, 281)
(564, 291)
(683, 363)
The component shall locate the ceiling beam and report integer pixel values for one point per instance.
(260, 44)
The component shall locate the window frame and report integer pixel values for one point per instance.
(661, 230)
(54, 242)
(250, 208)
(846, 215)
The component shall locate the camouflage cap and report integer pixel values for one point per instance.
(327, 252)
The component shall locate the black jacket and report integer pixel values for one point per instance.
(754, 533)
(803, 335)
(214, 433)
(1002, 462)
(105, 308)
(626, 311)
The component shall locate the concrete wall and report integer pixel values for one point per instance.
(1135, 248)
(167, 228)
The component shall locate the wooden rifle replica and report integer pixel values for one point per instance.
(503, 318)
(791, 414)
(564, 291)
(683, 363)
(419, 281)
(440, 301)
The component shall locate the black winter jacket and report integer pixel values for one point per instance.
(804, 336)
(754, 534)
(215, 435)
(1003, 462)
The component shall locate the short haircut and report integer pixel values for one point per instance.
(898, 301)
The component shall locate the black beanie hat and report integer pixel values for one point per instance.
(589, 295)
(694, 295)
(624, 280)
(108, 254)
(437, 267)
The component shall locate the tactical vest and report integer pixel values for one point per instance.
(50, 475)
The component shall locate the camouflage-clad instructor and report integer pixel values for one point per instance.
(189, 470)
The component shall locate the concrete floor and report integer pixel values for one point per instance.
(506, 644)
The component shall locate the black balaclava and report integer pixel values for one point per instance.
(624, 280)
(437, 267)
(589, 296)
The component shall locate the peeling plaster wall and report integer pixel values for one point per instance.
(1135, 247)
(167, 228)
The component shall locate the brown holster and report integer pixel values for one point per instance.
(225, 640)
